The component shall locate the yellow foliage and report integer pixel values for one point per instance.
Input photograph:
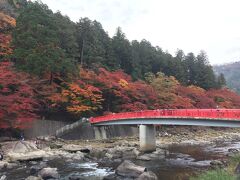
(123, 83)
(6, 22)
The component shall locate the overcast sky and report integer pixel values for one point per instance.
(190, 25)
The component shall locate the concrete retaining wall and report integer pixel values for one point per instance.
(78, 130)
(86, 131)
(43, 128)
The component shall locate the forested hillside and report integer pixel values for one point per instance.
(50, 64)
(231, 73)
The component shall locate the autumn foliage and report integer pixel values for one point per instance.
(49, 50)
(6, 24)
(77, 98)
(17, 104)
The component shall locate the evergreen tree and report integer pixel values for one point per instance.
(205, 77)
(221, 81)
(38, 48)
(95, 46)
(122, 51)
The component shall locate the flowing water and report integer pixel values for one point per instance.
(179, 163)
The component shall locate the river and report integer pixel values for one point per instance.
(178, 163)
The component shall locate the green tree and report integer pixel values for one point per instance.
(122, 51)
(221, 81)
(205, 76)
(37, 45)
(95, 46)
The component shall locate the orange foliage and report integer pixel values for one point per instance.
(6, 22)
(5, 41)
(78, 98)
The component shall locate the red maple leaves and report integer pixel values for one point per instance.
(17, 104)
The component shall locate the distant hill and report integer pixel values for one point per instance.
(232, 74)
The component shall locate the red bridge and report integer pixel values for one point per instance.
(147, 120)
(199, 117)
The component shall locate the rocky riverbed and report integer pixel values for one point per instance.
(181, 152)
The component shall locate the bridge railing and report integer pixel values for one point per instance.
(231, 114)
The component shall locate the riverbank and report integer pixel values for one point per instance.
(176, 146)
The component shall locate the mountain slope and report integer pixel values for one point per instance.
(231, 73)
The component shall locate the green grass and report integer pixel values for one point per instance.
(219, 174)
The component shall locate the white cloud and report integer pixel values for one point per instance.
(191, 25)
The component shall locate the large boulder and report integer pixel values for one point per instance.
(23, 147)
(49, 173)
(148, 176)
(130, 170)
(34, 155)
(23, 151)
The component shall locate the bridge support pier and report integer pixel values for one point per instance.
(100, 132)
(147, 138)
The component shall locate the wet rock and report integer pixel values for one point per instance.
(4, 177)
(117, 160)
(121, 152)
(11, 165)
(74, 148)
(33, 178)
(36, 168)
(144, 158)
(129, 169)
(98, 153)
(56, 145)
(129, 154)
(76, 156)
(136, 152)
(47, 173)
(147, 176)
(46, 138)
(33, 162)
(216, 163)
(3, 164)
(113, 177)
(233, 150)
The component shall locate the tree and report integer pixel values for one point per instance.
(122, 51)
(17, 103)
(95, 46)
(78, 98)
(165, 87)
(197, 96)
(205, 77)
(7, 23)
(37, 45)
(221, 81)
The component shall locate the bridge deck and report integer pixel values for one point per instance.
(201, 117)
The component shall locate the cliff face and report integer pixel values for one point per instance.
(231, 73)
